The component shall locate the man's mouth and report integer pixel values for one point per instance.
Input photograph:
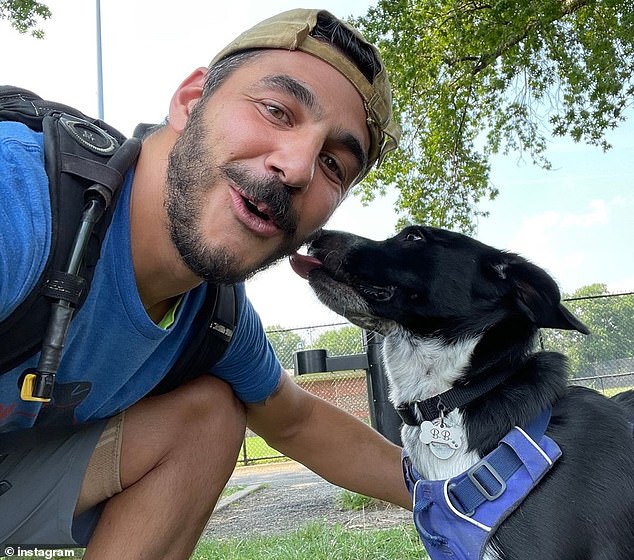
(262, 203)
(261, 210)
(255, 216)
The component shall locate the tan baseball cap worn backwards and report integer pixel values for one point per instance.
(291, 31)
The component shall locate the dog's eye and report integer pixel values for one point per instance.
(415, 236)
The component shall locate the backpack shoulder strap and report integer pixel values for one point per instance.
(77, 153)
(83, 154)
(214, 326)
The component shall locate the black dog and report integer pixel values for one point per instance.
(460, 320)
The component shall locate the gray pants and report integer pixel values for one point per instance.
(41, 472)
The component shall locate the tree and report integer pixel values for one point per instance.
(285, 343)
(610, 344)
(24, 15)
(472, 79)
(340, 342)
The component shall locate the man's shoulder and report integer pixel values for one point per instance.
(16, 137)
(249, 365)
(25, 223)
(22, 158)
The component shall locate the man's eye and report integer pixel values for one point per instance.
(332, 165)
(276, 112)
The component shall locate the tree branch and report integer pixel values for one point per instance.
(568, 7)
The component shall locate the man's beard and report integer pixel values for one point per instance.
(191, 174)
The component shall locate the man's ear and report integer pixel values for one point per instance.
(184, 99)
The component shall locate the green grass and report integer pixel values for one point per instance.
(615, 390)
(318, 541)
(229, 490)
(351, 501)
(315, 541)
(258, 451)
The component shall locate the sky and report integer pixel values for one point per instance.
(576, 220)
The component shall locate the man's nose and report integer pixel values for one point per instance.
(294, 161)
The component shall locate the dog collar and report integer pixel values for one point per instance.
(416, 412)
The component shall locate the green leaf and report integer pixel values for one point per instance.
(25, 15)
(471, 80)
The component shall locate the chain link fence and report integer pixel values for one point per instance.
(346, 390)
(602, 360)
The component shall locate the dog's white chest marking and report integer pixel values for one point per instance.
(421, 368)
(417, 370)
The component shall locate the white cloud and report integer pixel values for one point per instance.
(555, 240)
(541, 230)
(597, 214)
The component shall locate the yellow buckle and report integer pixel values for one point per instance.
(28, 386)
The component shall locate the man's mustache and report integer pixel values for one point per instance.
(270, 190)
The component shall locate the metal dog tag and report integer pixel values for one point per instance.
(443, 440)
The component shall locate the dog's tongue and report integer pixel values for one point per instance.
(303, 264)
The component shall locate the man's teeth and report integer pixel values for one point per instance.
(254, 209)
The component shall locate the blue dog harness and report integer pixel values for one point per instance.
(455, 518)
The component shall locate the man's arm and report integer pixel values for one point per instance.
(331, 442)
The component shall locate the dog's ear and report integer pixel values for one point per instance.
(536, 295)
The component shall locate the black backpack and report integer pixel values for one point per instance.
(86, 161)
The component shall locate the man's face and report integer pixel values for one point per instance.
(263, 163)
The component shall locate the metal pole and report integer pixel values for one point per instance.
(382, 414)
(99, 64)
(383, 417)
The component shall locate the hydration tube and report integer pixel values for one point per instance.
(38, 383)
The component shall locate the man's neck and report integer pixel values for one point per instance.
(160, 274)
(158, 311)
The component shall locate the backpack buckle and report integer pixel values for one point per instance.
(37, 386)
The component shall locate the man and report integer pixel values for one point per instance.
(257, 153)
